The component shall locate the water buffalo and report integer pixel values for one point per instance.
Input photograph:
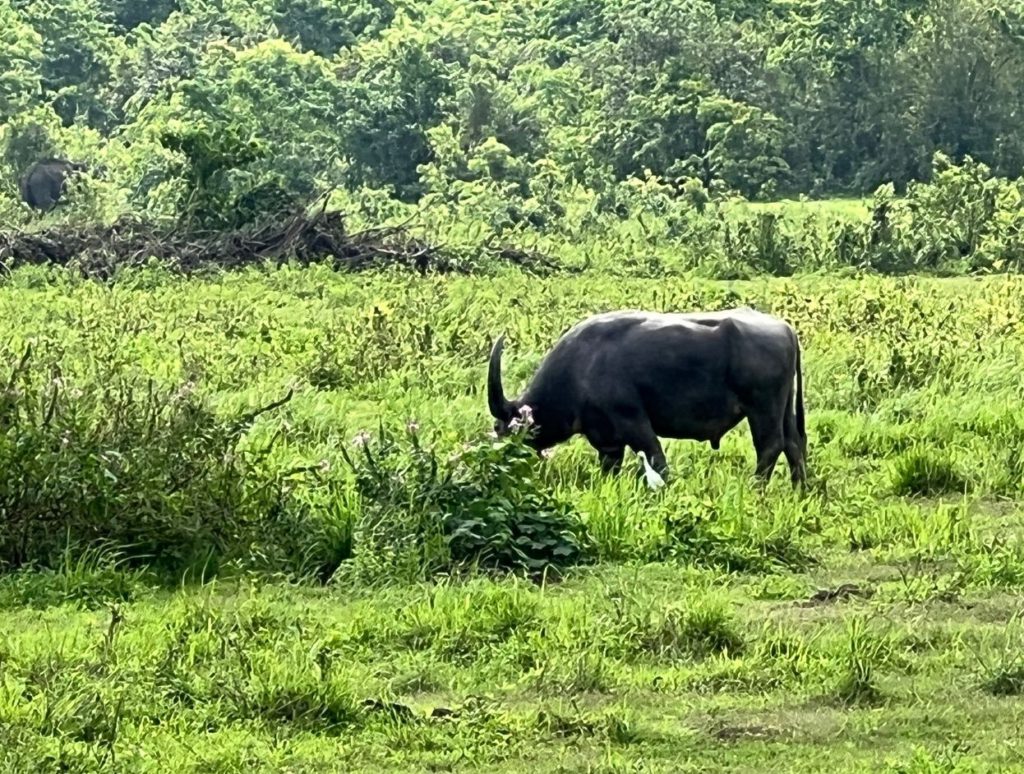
(43, 184)
(625, 378)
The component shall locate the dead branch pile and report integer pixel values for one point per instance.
(305, 238)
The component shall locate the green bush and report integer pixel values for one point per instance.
(151, 472)
(424, 513)
(233, 128)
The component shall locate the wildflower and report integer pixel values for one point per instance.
(362, 438)
(547, 453)
(412, 426)
(526, 415)
(523, 419)
(460, 454)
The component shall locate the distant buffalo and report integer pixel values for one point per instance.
(623, 379)
(43, 184)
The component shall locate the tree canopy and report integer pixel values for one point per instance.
(222, 109)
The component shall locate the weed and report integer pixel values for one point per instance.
(1003, 672)
(700, 628)
(88, 577)
(482, 506)
(924, 472)
(858, 660)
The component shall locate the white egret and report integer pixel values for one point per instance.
(654, 481)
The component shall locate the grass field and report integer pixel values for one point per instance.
(870, 624)
(852, 208)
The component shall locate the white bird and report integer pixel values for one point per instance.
(654, 481)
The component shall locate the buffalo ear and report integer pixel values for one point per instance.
(501, 409)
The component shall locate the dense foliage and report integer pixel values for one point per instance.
(506, 112)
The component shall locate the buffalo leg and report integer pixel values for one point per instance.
(797, 467)
(795, 449)
(769, 442)
(644, 440)
(796, 459)
(611, 460)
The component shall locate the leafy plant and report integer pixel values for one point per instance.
(152, 472)
(484, 506)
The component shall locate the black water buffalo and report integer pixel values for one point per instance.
(43, 183)
(625, 378)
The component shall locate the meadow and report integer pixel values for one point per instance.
(184, 596)
(251, 516)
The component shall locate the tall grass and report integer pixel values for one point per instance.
(126, 426)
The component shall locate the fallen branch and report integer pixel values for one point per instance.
(306, 237)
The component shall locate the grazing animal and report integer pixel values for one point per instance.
(625, 378)
(43, 184)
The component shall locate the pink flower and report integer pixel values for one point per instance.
(526, 415)
(185, 390)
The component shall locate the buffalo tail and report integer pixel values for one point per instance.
(800, 397)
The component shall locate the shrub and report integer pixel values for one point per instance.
(703, 628)
(709, 535)
(425, 513)
(149, 471)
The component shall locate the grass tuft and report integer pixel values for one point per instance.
(923, 472)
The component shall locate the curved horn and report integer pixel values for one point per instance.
(500, 408)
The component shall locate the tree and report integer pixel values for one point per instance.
(327, 26)
(395, 89)
(20, 59)
(256, 129)
(79, 48)
(129, 14)
(967, 58)
(158, 59)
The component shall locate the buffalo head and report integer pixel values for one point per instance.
(509, 415)
(541, 418)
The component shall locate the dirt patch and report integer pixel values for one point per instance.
(746, 733)
(841, 593)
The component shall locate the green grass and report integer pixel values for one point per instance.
(699, 640)
(853, 208)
